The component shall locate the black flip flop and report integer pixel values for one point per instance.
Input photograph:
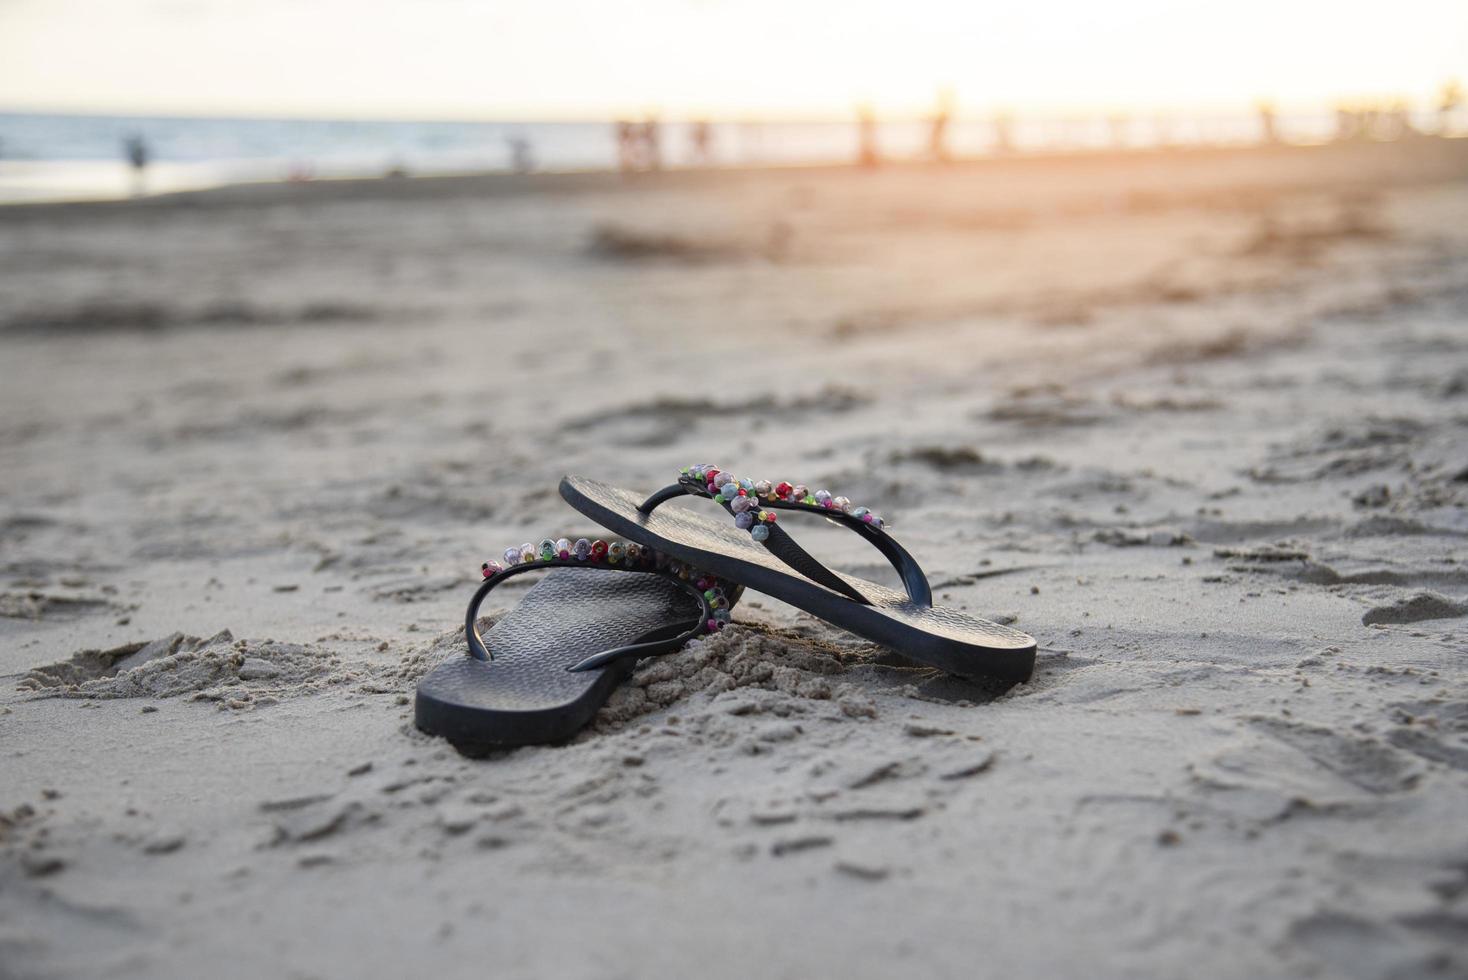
(548, 664)
(756, 552)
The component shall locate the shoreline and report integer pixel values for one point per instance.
(1406, 161)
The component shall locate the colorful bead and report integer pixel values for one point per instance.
(581, 549)
(490, 569)
(547, 549)
(563, 548)
(528, 552)
(615, 551)
(512, 556)
(634, 553)
(598, 550)
(760, 532)
(744, 496)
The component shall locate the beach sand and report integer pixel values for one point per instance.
(1198, 421)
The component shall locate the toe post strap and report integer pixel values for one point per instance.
(753, 504)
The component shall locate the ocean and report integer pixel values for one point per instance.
(46, 157)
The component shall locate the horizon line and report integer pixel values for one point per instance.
(751, 116)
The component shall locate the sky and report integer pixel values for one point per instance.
(551, 59)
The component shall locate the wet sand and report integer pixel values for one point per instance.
(1194, 420)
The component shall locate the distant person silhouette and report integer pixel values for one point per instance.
(639, 145)
(938, 127)
(652, 152)
(1162, 131)
(627, 136)
(1449, 101)
(1119, 127)
(701, 142)
(1397, 120)
(1268, 123)
(135, 149)
(1371, 121)
(1003, 133)
(522, 157)
(867, 154)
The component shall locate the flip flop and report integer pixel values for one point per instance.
(549, 664)
(755, 551)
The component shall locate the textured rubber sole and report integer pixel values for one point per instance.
(525, 695)
(944, 638)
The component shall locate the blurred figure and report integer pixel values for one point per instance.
(701, 142)
(135, 150)
(1380, 121)
(1449, 100)
(639, 145)
(1003, 133)
(652, 151)
(1162, 131)
(938, 131)
(626, 145)
(1119, 126)
(1349, 124)
(867, 154)
(1396, 122)
(1268, 122)
(522, 158)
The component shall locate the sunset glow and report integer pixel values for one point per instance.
(581, 58)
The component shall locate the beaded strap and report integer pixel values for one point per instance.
(753, 504)
(745, 497)
(713, 594)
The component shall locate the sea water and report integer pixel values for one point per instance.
(60, 157)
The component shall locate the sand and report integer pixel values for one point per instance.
(1197, 421)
